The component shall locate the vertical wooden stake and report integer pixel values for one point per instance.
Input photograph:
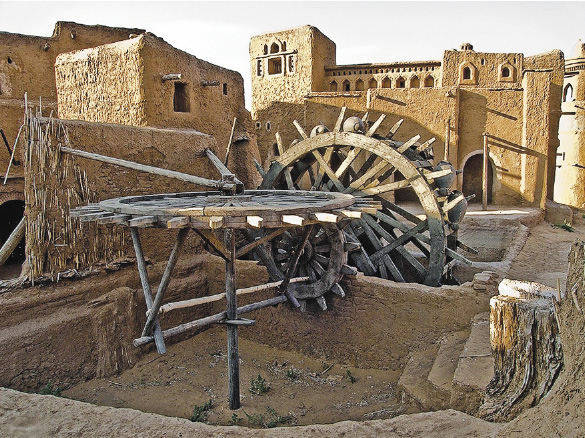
(158, 336)
(484, 174)
(232, 314)
(447, 140)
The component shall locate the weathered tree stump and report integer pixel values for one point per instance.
(526, 345)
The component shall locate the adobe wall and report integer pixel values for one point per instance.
(27, 66)
(91, 88)
(54, 184)
(310, 52)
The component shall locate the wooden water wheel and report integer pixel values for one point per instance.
(406, 242)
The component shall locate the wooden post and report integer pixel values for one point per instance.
(13, 240)
(447, 140)
(232, 314)
(158, 336)
(484, 173)
(164, 282)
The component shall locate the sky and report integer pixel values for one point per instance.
(378, 31)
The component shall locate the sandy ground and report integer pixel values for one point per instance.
(303, 390)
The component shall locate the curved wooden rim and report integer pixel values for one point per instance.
(396, 159)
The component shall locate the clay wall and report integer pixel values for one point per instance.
(56, 183)
(27, 66)
(206, 98)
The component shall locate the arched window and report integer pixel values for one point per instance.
(468, 74)
(346, 86)
(429, 81)
(373, 83)
(568, 93)
(333, 86)
(274, 48)
(386, 83)
(507, 72)
(283, 46)
(414, 82)
(265, 49)
(359, 85)
(400, 82)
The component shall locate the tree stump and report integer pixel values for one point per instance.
(526, 345)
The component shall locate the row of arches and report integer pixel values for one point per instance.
(275, 47)
(383, 70)
(400, 82)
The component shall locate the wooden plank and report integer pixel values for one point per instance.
(141, 221)
(325, 166)
(300, 129)
(349, 159)
(293, 219)
(339, 121)
(115, 219)
(408, 144)
(427, 144)
(400, 241)
(375, 126)
(213, 319)
(286, 171)
(394, 128)
(229, 146)
(325, 217)
(436, 174)
(88, 217)
(353, 214)
(216, 222)
(254, 221)
(451, 204)
(366, 177)
(217, 297)
(250, 246)
(141, 263)
(178, 222)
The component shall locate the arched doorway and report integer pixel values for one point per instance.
(11, 213)
(472, 178)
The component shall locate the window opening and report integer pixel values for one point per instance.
(568, 93)
(429, 81)
(181, 98)
(225, 89)
(415, 82)
(346, 86)
(466, 73)
(274, 48)
(386, 83)
(291, 64)
(265, 49)
(275, 66)
(373, 83)
(359, 85)
(333, 86)
(259, 67)
(400, 83)
(505, 72)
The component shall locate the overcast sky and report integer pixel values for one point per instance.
(379, 31)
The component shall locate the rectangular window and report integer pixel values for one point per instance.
(275, 66)
(291, 64)
(224, 89)
(181, 98)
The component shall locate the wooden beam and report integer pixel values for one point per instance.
(222, 185)
(375, 126)
(13, 240)
(158, 336)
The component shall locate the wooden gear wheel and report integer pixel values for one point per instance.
(406, 243)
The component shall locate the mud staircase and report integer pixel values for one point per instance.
(453, 373)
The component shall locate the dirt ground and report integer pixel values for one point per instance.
(303, 389)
